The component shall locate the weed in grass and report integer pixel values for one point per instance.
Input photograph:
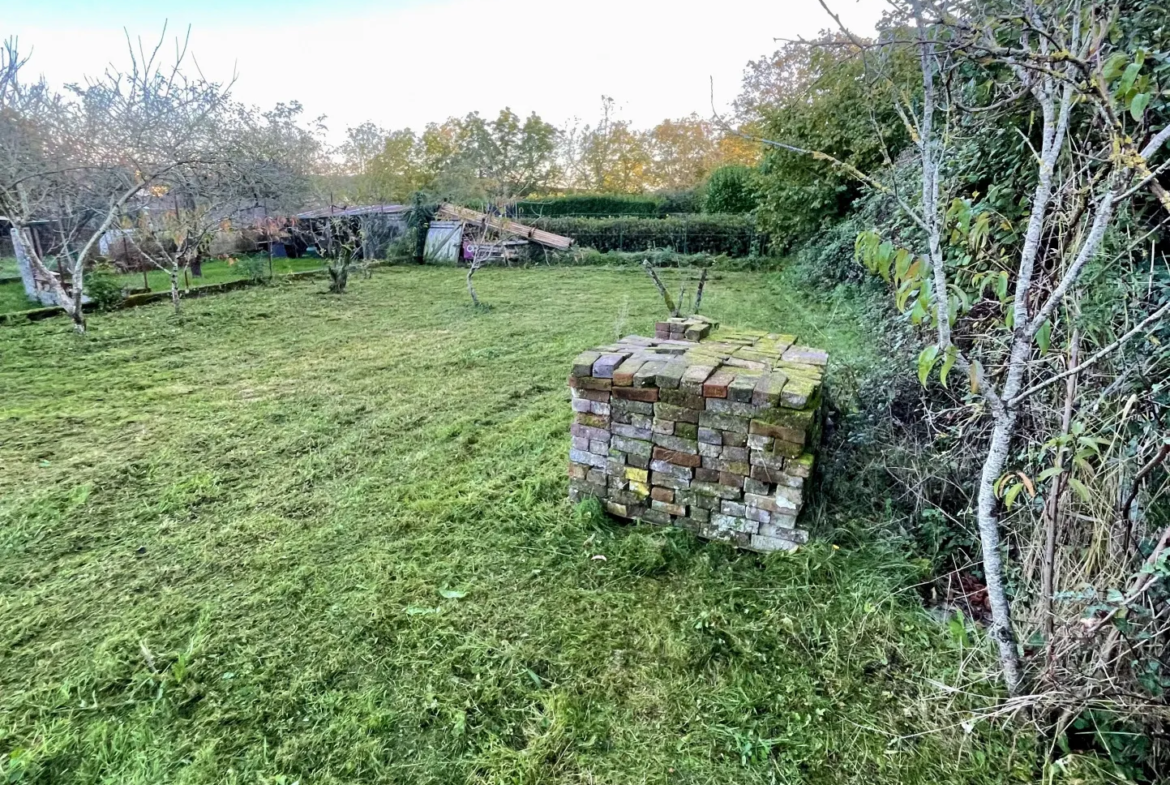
(326, 540)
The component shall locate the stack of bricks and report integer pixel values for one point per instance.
(706, 429)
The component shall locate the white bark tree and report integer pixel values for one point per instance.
(1058, 58)
(74, 162)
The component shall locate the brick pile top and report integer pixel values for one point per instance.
(704, 428)
(693, 356)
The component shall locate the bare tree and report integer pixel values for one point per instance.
(1057, 57)
(74, 162)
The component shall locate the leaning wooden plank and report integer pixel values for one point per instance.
(506, 226)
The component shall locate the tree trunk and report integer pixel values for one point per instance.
(1001, 621)
(175, 288)
(471, 289)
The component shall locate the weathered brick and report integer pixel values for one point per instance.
(598, 446)
(601, 396)
(588, 383)
(728, 507)
(692, 380)
(669, 509)
(706, 475)
(588, 432)
(710, 450)
(620, 404)
(731, 453)
(630, 431)
(752, 485)
(731, 479)
(669, 481)
(715, 385)
(676, 457)
(769, 388)
(587, 458)
(759, 442)
(686, 430)
(577, 471)
(734, 524)
(715, 489)
(592, 420)
(656, 516)
(671, 469)
(662, 494)
(767, 460)
(741, 468)
(640, 461)
(670, 375)
(623, 375)
(710, 436)
(663, 426)
(676, 443)
(679, 398)
(646, 375)
(761, 502)
(646, 394)
(645, 421)
(605, 365)
(583, 363)
(734, 439)
(631, 446)
(765, 544)
(637, 475)
(741, 389)
(724, 422)
(677, 413)
(801, 466)
(778, 432)
(728, 406)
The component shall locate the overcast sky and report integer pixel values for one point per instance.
(402, 63)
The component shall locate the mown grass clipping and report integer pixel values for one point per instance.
(297, 537)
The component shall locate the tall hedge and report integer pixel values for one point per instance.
(610, 205)
(733, 235)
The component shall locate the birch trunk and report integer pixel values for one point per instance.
(988, 523)
(174, 273)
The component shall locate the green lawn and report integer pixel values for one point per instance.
(12, 296)
(290, 536)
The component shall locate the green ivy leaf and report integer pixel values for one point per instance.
(926, 361)
(1113, 66)
(1079, 487)
(1137, 107)
(1128, 77)
(1001, 285)
(948, 364)
(1044, 337)
(1014, 491)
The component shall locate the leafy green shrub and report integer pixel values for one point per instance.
(730, 190)
(734, 235)
(657, 205)
(103, 287)
(254, 268)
